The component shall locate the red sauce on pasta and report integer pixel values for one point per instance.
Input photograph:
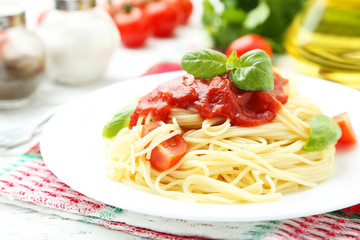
(217, 97)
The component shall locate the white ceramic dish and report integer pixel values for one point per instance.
(71, 145)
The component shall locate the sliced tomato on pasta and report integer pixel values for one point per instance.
(148, 128)
(348, 133)
(167, 153)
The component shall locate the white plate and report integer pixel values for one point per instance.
(71, 145)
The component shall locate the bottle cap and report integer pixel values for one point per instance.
(73, 5)
(11, 15)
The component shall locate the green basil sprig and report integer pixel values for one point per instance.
(252, 71)
(324, 131)
(119, 121)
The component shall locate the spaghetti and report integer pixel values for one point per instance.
(223, 163)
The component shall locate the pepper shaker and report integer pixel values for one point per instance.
(22, 58)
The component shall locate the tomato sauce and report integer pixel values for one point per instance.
(217, 97)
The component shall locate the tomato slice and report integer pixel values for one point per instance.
(167, 153)
(148, 128)
(348, 133)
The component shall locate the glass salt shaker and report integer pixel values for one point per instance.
(80, 40)
(22, 58)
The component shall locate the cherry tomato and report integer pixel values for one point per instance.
(112, 8)
(249, 42)
(348, 134)
(184, 9)
(134, 26)
(167, 153)
(180, 14)
(187, 8)
(163, 17)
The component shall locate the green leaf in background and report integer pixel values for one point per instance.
(210, 17)
(230, 3)
(232, 61)
(204, 63)
(119, 121)
(324, 131)
(258, 15)
(233, 16)
(268, 18)
(224, 34)
(246, 5)
(223, 27)
(254, 72)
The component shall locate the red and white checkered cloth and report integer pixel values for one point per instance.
(29, 183)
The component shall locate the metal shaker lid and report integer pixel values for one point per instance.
(73, 5)
(11, 15)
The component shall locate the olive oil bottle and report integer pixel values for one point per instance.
(324, 39)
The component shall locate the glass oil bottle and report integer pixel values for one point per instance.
(324, 40)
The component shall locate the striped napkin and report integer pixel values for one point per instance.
(27, 182)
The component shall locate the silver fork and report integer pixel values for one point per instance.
(16, 136)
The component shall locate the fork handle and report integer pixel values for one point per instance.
(45, 117)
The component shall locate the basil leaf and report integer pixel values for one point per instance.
(204, 63)
(232, 61)
(324, 131)
(254, 72)
(119, 121)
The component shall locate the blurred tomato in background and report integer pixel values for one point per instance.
(249, 42)
(133, 24)
(137, 20)
(163, 17)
